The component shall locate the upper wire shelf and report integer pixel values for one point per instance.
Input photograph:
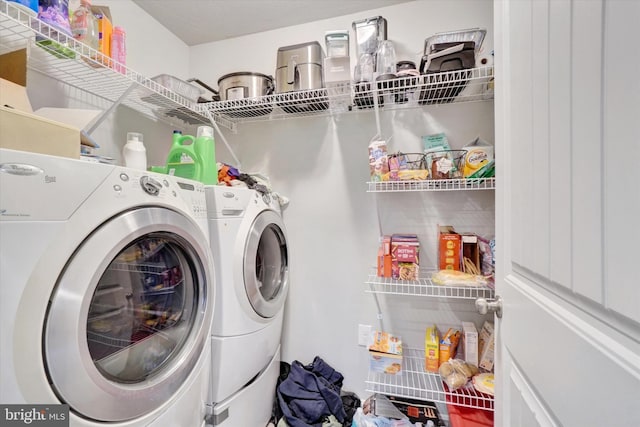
(415, 383)
(63, 58)
(432, 185)
(424, 287)
(400, 93)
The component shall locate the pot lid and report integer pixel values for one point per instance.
(244, 73)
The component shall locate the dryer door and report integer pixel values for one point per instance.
(130, 315)
(266, 264)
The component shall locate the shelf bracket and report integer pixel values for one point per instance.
(94, 125)
(237, 164)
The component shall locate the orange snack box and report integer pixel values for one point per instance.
(449, 247)
(449, 345)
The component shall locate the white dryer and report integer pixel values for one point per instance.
(107, 293)
(250, 250)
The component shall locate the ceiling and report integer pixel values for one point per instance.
(200, 21)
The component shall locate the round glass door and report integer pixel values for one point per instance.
(266, 265)
(142, 309)
(130, 316)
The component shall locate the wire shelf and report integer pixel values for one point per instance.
(414, 383)
(63, 58)
(432, 185)
(400, 93)
(424, 287)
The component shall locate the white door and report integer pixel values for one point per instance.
(568, 212)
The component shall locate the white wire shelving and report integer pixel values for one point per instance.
(424, 287)
(63, 58)
(431, 185)
(400, 93)
(79, 66)
(415, 383)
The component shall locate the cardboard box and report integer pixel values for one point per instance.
(28, 132)
(470, 342)
(105, 28)
(14, 96)
(448, 345)
(418, 411)
(385, 353)
(13, 67)
(470, 250)
(486, 343)
(405, 256)
(432, 349)
(449, 247)
(384, 257)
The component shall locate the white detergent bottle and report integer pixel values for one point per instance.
(134, 153)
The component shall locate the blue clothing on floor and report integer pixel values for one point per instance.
(310, 394)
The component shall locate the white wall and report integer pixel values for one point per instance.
(321, 165)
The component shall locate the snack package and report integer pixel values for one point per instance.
(449, 345)
(385, 353)
(378, 161)
(484, 383)
(405, 256)
(435, 142)
(432, 349)
(479, 153)
(455, 373)
(457, 278)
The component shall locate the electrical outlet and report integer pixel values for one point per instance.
(363, 334)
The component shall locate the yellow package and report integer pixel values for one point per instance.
(479, 153)
(432, 349)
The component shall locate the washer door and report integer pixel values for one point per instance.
(266, 264)
(130, 314)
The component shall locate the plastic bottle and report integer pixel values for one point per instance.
(84, 25)
(134, 153)
(205, 149)
(119, 49)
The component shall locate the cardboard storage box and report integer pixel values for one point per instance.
(29, 132)
(385, 353)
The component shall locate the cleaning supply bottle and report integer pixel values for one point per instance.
(134, 152)
(205, 149)
(84, 25)
(119, 49)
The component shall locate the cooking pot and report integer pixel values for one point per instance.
(243, 85)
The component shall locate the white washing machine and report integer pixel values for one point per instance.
(107, 292)
(249, 245)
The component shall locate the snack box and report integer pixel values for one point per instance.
(486, 340)
(449, 345)
(432, 349)
(470, 342)
(405, 251)
(449, 247)
(384, 257)
(385, 353)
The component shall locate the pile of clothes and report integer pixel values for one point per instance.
(311, 396)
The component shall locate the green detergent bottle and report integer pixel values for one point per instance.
(192, 158)
(205, 149)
